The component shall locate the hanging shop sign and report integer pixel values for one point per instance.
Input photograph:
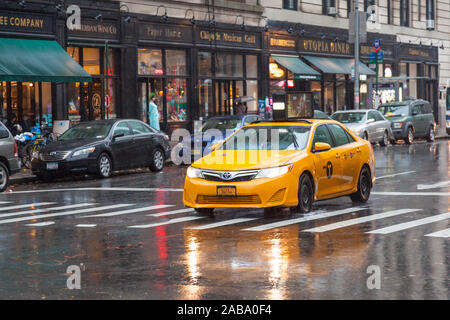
(230, 38)
(307, 77)
(25, 22)
(95, 29)
(418, 53)
(159, 32)
(282, 43)
(325, 46)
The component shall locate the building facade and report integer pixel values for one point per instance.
(199, 57)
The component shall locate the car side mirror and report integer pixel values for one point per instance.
(118, 135)
(370, 120)
(321, 146)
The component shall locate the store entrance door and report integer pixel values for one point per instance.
(227, 91)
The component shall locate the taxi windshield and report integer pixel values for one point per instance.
(349, 117)
(268, 138)
(394, 111)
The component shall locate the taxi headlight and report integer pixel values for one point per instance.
(83, 152)
(194, 173)
(273, 172)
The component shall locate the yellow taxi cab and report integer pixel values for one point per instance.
(289, 163)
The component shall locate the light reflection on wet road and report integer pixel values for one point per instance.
(173, 261)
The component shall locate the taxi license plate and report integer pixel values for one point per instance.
(52, 165)
(228, 191)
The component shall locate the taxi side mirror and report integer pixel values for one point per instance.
(321, 146)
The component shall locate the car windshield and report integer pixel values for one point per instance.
(87, 131)
(349, 117)
(221, 124)
(394, 111)
(268, 138)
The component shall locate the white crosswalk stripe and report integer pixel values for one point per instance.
(41, 224)
(118, 213)
(303, 219)
(30, 205)
(411, 224)
(157, 224)
(351, 222)
(86, 225)
(440, 234)
(222, 223)
(160, 214)
(79, 205)
(4, 202)
(50, 215)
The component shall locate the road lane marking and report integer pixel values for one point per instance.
(433, 186)
(64, 213)
(118, 213)
(444, 194)
(101, 189)
(26, 206)
(395, 174)
(86, 225)
(440, 234)
(351, 222)
(157, 224)
(41, 224)
(308, 218)
(160, 214)
(3, 215)
(223, 223)
(411, 224)
(4, 202)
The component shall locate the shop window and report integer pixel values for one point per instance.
(110, 65)
(205, 97)
(175, 62)
(229, 65)
(412, 82)
(204, 63)
(111, 99)
(402, 66)
(176, 100)
(74, 52)
(91, 60)
(329, 98)
(3, 105)
(252, 91)
(150, 62)
(251, 66)
(73, 98)
(433, 72)
(47, 118)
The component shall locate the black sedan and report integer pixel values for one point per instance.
(100, 147)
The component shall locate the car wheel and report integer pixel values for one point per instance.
(366, 136)
(410, 136)
(385, 140)
(157, 160)
(305, 194)
(104, 166)
(205, 212)
(430, 135)
(4, 177)
(364, 186)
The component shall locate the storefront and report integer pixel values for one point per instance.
(33, 68)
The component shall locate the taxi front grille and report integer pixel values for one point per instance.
(237, 179)
(247, 199)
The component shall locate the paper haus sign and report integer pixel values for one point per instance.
(22, 22)
(160, 32)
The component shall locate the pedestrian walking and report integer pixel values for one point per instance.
(153, 113)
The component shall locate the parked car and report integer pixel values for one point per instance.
(225, 125)
(369, 124)
(410, 119)
(9, 157)
(320, 115)
(100, 147)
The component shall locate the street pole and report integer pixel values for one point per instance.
(356, 55)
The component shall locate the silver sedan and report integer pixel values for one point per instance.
(369, 124)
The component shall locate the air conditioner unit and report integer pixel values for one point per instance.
(331, 11)
(372, 18)
(430, 24)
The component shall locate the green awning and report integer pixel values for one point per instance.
(338, 65)
(297, 66)
(38, 60)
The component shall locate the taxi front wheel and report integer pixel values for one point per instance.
(364, 187)
(305, 194)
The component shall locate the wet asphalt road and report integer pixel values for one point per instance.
(132, 242)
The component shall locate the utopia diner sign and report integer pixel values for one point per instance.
(325, 46)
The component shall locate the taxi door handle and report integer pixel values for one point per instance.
(338, 155)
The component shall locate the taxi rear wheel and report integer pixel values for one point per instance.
(305, 194)
(364, 187)
(205, 212)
